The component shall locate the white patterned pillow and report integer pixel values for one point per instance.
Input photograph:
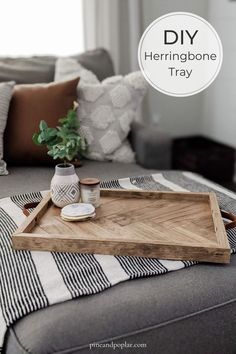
(106, 111)
(68, 69)
(123, 154)
(6, 89)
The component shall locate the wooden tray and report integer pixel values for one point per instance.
(167, 225)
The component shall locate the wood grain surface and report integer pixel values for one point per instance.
(167, 225)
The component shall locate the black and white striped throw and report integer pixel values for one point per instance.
(33, 280)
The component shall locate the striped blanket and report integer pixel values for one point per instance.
(30, 281)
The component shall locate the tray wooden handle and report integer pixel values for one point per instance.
(28, 206)
(231, 217)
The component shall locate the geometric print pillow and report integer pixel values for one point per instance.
(106, 112)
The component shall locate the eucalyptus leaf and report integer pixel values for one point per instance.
(64, 141)
(43, 125)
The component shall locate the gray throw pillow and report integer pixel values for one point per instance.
(6, 89)
(98, 61)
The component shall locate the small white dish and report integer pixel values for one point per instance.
(78, 210)
(78, 218)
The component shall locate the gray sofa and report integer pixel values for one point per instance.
(191, 311)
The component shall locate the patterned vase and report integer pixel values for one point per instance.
(65, 186)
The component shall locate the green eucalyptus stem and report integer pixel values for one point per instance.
(64, 141)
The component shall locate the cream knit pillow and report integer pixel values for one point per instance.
(106, 109)
(106, 112)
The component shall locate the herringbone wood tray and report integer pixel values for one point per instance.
(167, 225)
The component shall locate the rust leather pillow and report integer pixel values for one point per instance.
(29, 105)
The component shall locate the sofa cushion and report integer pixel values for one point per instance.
(5, 97)
(40, 69)
(27, 70)
(29, 105)
(98, 61)
(188, 311)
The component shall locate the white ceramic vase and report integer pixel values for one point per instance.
(65, 186)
